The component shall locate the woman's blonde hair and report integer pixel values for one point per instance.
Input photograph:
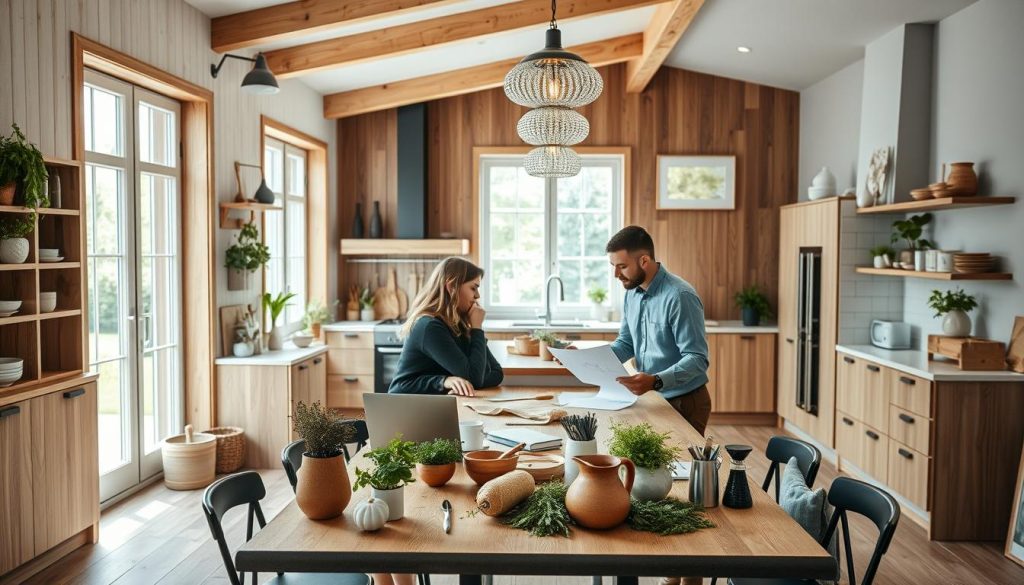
(439, 296)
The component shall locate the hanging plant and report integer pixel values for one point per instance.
(22, 171)
(248, 253)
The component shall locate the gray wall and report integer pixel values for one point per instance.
(830, 126)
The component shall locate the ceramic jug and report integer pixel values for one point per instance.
(598, 499)
(963, 179)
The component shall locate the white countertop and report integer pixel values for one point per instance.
(288, 356)
(350, 326)
(917, 363)
(528, 365)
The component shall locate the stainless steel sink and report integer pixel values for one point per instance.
(553, 324)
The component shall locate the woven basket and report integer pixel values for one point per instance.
(230, 448)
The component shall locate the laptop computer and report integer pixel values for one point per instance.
(416, 417)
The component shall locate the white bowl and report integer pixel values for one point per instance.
(8, 371)
(7, 379)
(302, 340)
(47, 302)
(9, 363)
(49, 252)
(8, 306)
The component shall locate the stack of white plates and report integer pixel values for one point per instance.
(50, 255)
(47, 302)
(8, 308)
(10, 370)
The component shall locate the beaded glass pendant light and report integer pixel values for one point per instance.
(553, 81)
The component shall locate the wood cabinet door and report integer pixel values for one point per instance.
(786, 363)
(746, 373)
(874, 396)
(16, 540)
(65, 464)
(318, 379)
(849, 380)
(299, 374)
(713, 383)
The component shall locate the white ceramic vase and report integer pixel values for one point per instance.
(864, 199)
(395, 499)
(13, 250)
(651, 485)
(366, 314)
(276, 341)
(243, 349)
(919, 260)
(572, 449)
(597, 312)
(956, 323)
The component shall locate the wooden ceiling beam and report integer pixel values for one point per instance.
(293, 19)
(468, 80)
(407, 38)
(667, 26)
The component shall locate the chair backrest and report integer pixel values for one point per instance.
(362, 435)
(780, 450)
(291, 460)
(244, 488)
(851, 495)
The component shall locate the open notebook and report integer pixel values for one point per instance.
(535, 440)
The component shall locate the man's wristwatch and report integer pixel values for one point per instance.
(658, 382)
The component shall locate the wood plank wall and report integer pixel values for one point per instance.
(681, 112)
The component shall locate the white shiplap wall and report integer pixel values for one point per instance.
(35, 86)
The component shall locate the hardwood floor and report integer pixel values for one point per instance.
(160, 536)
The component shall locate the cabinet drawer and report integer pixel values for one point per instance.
(874, 396)
(863, 446)
(848, 383)
(910, 392)
(350, 339)
(909, 428)
(350, 361)
(908, 473)
(346, 391)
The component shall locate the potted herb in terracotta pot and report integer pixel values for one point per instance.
(244, 257)
(753, 306)
(435, 460)
(909, 230)
(598, 296)
(316, 314)
(650, 452)
(392, 470)
(276, 305)
(22, 171)
(954, 305)
(322, 491)
(547, 340)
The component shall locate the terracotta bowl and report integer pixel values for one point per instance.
(483, 466)
(919, 194)
(435, 475)
(940, 193)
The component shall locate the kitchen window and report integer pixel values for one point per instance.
(284, 232)
(533, 228)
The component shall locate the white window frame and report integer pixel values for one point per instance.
(559, 310)
(282, 198)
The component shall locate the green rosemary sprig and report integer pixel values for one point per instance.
(543, 513)
(668, 516)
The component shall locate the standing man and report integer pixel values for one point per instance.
(662, 327)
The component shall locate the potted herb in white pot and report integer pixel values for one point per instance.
(366, 301)
(276, 305)
(392, 470)
(753, 306)
(244, 257)
(650, 452)
(598, 296)
(881, 256)
(322, 491)
(954, 305)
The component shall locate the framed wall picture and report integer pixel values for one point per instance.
(1015, 535)
(696, 182)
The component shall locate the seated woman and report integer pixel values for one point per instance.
(445, 351)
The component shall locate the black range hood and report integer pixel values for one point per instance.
(412, 172)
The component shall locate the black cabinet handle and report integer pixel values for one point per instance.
(906, 418)
(908, 381)
(905, 453)
(872, 434)
(848, 359)
(317, 360)
(9, 411)
(303, 367)
(351, 335)
(873, 368)
(351, 379)
(847, 421)
(74, 393)
(746, 336)
(789, 340)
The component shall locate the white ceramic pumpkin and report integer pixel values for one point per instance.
(371, 515)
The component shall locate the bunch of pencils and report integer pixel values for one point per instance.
(579, 427)
(709, 452)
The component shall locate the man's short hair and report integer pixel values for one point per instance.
(631, 239)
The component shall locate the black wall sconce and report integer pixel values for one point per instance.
(259, 80)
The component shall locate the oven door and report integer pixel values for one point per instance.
(385, 364)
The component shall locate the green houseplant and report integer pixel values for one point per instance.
(392, 470)
(366, 301)
(435, 460)
(316, 313)
(322, 490)
(650, 452)
(909, 230)
(753, 305)
(597, 295)
(882, 256)
(953, 307)
(275, 306)
(22, 173)
(548, 340)
(243, 257)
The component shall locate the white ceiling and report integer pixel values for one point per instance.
(795, 43)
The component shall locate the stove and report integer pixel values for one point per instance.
(387, 349)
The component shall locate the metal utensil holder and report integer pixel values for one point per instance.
(704, 482)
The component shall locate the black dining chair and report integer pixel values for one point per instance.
(780, 450)
(246, 488)
(849, 495)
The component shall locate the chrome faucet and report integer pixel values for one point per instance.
(547, 297)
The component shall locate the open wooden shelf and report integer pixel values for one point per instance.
(58, 265)
(396, 247)
(251, 206)
(934, 275)
(59, 313)
(938, 204)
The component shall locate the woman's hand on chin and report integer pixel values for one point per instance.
(458, 386)
(476, 316)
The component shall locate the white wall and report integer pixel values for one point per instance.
(830, 127)
(35, 86)
(977, 116)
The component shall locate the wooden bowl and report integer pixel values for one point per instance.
(527, 345)
(920, 194)
(483, 466)
(940, 193)
(939, 185)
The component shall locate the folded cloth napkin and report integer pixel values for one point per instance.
(540, 416)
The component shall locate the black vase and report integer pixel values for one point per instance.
(751, 318)
(358, 229)
(737, 490)
(376, 228)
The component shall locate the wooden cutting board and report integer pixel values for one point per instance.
(230, 315)
(385, 299)
(1015, 353)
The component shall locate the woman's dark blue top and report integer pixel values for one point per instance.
(432, 352)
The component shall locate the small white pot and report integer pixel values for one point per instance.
(956, 324)
(14, 250)
(879, 261)
(651, 485)
(366, 314)
(919, 260)
(395, 499)
(597, 312)
(572, 449)
(243, 349)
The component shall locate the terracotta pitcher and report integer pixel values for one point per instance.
(597, 498)
(963, 179)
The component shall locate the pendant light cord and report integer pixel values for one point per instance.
(554, 23)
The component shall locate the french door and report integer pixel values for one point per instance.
(133, 177)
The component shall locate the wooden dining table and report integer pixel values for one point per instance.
(762, 541)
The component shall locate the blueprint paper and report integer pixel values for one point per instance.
(597, 366)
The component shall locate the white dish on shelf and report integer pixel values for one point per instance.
(11, 364)
(51, 259)
(10, 306)
(7, 313)
(47, 302)
(7, 380)
(49, 252)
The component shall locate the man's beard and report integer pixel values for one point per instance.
(634, 282)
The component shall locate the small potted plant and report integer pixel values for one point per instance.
(650, 452)
(14, 245)
(246, 255)
(392, 470)
(316, 313)
(322, 491)
(548, 340)
(435, 460)
(366, 305)
(22, 176)
(882, 256)
(275, 306)
(954, 305)
(598, 296)
(753, 305)
(909, 230)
